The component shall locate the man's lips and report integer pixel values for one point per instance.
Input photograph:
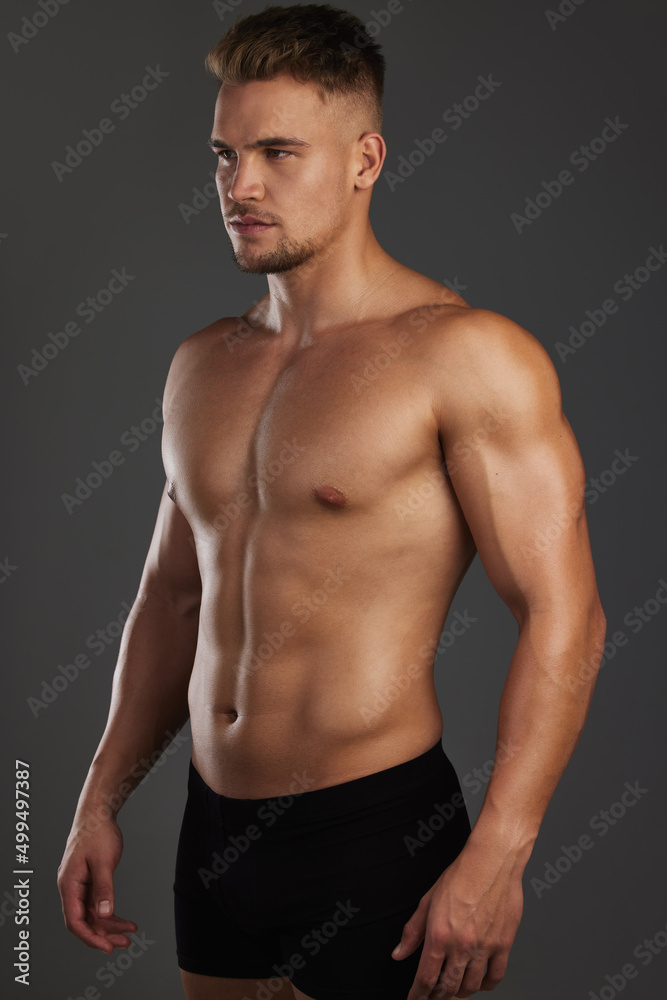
(248, 224)
(248, 220)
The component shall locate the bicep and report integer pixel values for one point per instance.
(171, 569)
(517, 471)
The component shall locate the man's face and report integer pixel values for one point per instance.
(303, 191)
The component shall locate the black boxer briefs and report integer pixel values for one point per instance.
(318, 885)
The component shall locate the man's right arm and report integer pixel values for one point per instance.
(149, 704)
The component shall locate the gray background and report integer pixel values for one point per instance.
(450, 220)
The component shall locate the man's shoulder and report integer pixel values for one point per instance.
(489, 345)
(198, 347)
(208, 336)
(197, 354)
(481, 361)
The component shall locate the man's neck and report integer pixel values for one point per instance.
(339, 285)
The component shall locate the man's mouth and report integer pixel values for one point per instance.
(248, 224)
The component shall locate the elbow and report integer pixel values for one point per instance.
(598, 621)
(594, 629)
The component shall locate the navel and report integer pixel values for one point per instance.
(329, 496)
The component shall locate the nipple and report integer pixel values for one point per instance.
(330, 496)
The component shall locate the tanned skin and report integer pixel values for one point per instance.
(292, 579)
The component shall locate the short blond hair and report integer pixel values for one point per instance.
(315, 43)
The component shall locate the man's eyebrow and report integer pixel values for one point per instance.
(274, 140)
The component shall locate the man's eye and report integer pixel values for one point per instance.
(281, 154)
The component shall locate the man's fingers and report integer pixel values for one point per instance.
(428, 971)
(73, 895)
(82, 897)
(413, 931)
(116, 925)
(495, 970)
(74, 910)
(104, 933)
(115, 929)
(119, 940)
(473, 977)
(85, 933)
(101, 893)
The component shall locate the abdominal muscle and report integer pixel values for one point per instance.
(347, 693)
(315, 736)
(317, 643)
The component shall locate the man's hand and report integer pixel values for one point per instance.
(85, 882)
(469, 917)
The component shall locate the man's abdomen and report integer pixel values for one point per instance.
(317, 640)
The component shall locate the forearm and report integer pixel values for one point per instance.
(149, 702)
(543, 709)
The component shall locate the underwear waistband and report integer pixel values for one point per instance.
(367, 791)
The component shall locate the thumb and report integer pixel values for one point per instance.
(413, 932)
(102, 894)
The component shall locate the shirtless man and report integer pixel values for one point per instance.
(295, 591)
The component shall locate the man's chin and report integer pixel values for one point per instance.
(262, 267)
(270, 263)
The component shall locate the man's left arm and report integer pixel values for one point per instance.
(515, 466)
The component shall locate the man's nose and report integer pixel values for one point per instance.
(246, 183)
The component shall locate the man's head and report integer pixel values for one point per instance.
(310, 73)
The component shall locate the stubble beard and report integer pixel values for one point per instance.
(286, 256)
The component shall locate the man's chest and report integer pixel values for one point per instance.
(319, 430)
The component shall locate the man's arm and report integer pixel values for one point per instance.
(149, 704)
(518, 474)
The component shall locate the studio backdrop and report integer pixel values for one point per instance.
(525, 170)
